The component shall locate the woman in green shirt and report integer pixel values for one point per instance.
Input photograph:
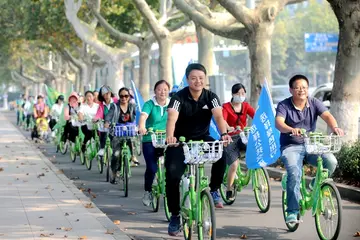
(155, 115)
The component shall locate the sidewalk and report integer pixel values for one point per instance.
(37, 201)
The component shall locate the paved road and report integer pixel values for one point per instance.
(233, 221)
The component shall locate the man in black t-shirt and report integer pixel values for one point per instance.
(189, 115)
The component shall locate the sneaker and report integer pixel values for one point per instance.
(311, 184)
(147, 198)
(134, 162)
(217, 199)
(53, 134)
(174, 225)
(291, 218)
(230, 195)
(101, 152)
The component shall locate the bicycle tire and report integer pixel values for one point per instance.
(100, 162)
(267, 188)
(88, 162)
(187, 230)
(206, 199)
(125, 176)
(155, 202)
(166, 209)
(223, 189)
(82, 157)
(63, 147)
(291, 226)
(320, 213)
(72, 153)
(107, 166)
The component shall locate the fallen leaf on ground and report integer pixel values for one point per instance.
(66, 214)
(48, 187)
(65, 236)
(17, 166)
(66, 229)
(272, 179)
(74, 178)
(51, 234)
(116, 222)
(17, 178)
(151, 226)
(131, 213)
(83, 238)
(25, 180)
(110, 231)
(357, 234)
(82, 189)
(89, 205)
(41, 175)
(44, 235)
(243, 236)
(21, 163)
(1, 169)
(60, 171)
(77, 220)
(41, 217)
(27, 174)
(63, 191)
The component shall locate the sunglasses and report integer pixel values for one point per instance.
(124, 96)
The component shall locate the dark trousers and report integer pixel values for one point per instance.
(175, 168)
(103, 136)
(28, 118)
(116, 146)
(88, 134)
(52, 124)
(70, 132)
(151, 156)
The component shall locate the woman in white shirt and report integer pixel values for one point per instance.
(56, 111)
(87, 113)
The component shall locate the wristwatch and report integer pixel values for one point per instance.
(223, 134)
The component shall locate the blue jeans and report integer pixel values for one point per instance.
(293, 156)
(151, 155)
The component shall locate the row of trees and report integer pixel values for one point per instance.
(59, 41)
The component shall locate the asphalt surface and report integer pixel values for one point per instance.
(242, 219)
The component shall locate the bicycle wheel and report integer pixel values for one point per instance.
(138, 145)
(108, 165)
(187, 228)
(223, 189)
(155, 198)
(291, 226)
(63, 147)
(166, 208)
(101, 160)
(72, 152)
(207, 228)
(82, 157)
(329, 212)
(125, 175)
(88, 161)
(262, 190)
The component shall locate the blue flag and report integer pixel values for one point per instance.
(214, 131)
(138, 100)
(263, 147)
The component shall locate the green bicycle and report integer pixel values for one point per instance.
(105, 159)
(158, 188)
(260, 183)
(75, 147)
(197, 206)
(92, 148)
(60, 145)
(122, 133)
(324, 200)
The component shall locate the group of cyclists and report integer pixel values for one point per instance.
(188, 113)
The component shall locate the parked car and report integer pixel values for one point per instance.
(323, 93)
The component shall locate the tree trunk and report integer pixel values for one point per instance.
(92, 81)
(117, 82)
(165, 61)
(205, 49)
(346, 94)
(260, 56)
(144, 71)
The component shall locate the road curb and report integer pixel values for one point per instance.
(347, 192)
(101, 217)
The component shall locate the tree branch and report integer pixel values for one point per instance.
(149, 17)
(243, 14)
(115, 33)
(183, 33)
(179, 24)
(71, 58)
(217, 24)
(87, 34)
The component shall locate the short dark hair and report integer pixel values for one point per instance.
(194, 66)
(161, 82)
(297, 77)
(124, 89)
(236, 87)
(91, 92)
(100, 97)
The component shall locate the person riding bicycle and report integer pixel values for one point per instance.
(41, 111)
(125, 112)
(189, 115)
(106, 103)
(55, 113)
(28, 110)
(154, 114)
(293, 114)
(235, 114)
(19, 107)
(71, 111)
(88, 111)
